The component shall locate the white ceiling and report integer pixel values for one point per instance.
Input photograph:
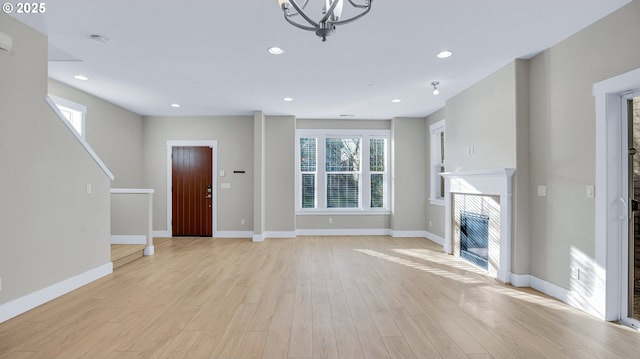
(211, 56)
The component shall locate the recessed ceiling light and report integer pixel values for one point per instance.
(175, 105)
(396, 100)
(276, 50)
(444, 54)
(287, 99)
(81, 77)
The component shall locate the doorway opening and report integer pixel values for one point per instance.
(191, 188)
(632, 104)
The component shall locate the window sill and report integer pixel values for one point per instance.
(343, 212)
(437, 202)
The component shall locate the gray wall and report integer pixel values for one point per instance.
(235, 152)
(563, 136)
(483, 116)
(113, 132)
(51, 228)
(129, 214)
(409, 182)
(280, 174)
(434, 213)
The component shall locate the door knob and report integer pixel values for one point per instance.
(207, 196)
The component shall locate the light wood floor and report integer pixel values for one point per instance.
(310, 297)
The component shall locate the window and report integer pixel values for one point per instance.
(73, 112)
(437, 162)
(342, 171)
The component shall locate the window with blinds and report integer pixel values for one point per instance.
(342, 170)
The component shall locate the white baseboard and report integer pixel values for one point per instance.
(23, 304)
(434, 238)
(280, 234)
(163, 234)
(520, 280)
(258, 237)
(233, 234)
(125, 239)
(344, 232)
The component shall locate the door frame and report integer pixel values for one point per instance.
(610, 216)
(214, 185)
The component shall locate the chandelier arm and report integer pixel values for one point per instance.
(303, 27)
(342, 22)
(329, 11)
(368, 5)
(302, 7)
(301, 13)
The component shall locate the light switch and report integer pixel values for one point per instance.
(591, 191)
(542, 191)
(89, 189)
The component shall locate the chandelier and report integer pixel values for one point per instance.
(331, 11)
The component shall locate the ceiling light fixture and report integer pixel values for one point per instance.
(331, 11)
(175, 105)
(276, 50)
(99, 39)
(444, 54)
(435, 84)
(81, 77)
(396, 100)
(287, 99)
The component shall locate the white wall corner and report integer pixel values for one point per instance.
(23, 304)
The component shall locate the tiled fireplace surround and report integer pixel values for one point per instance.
(495, 186)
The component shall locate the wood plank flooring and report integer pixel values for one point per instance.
(308, 297)
(122, 254)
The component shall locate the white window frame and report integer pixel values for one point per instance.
(321, 173)
(76, 110)
(435, 131)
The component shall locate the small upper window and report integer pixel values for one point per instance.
(73, 112)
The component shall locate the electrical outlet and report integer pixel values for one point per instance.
(330, 220)
(542, 191)
(89, 188)
(575, 273)
(591, 191)
(429, 224)
(243, 222)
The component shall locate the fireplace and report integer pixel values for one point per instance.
(474, 238)
(478, 219)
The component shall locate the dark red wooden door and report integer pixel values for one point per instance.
(191, 191)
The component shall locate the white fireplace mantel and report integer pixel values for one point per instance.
(494, 182)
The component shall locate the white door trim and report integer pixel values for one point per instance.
(214, 178)
(609, 209)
